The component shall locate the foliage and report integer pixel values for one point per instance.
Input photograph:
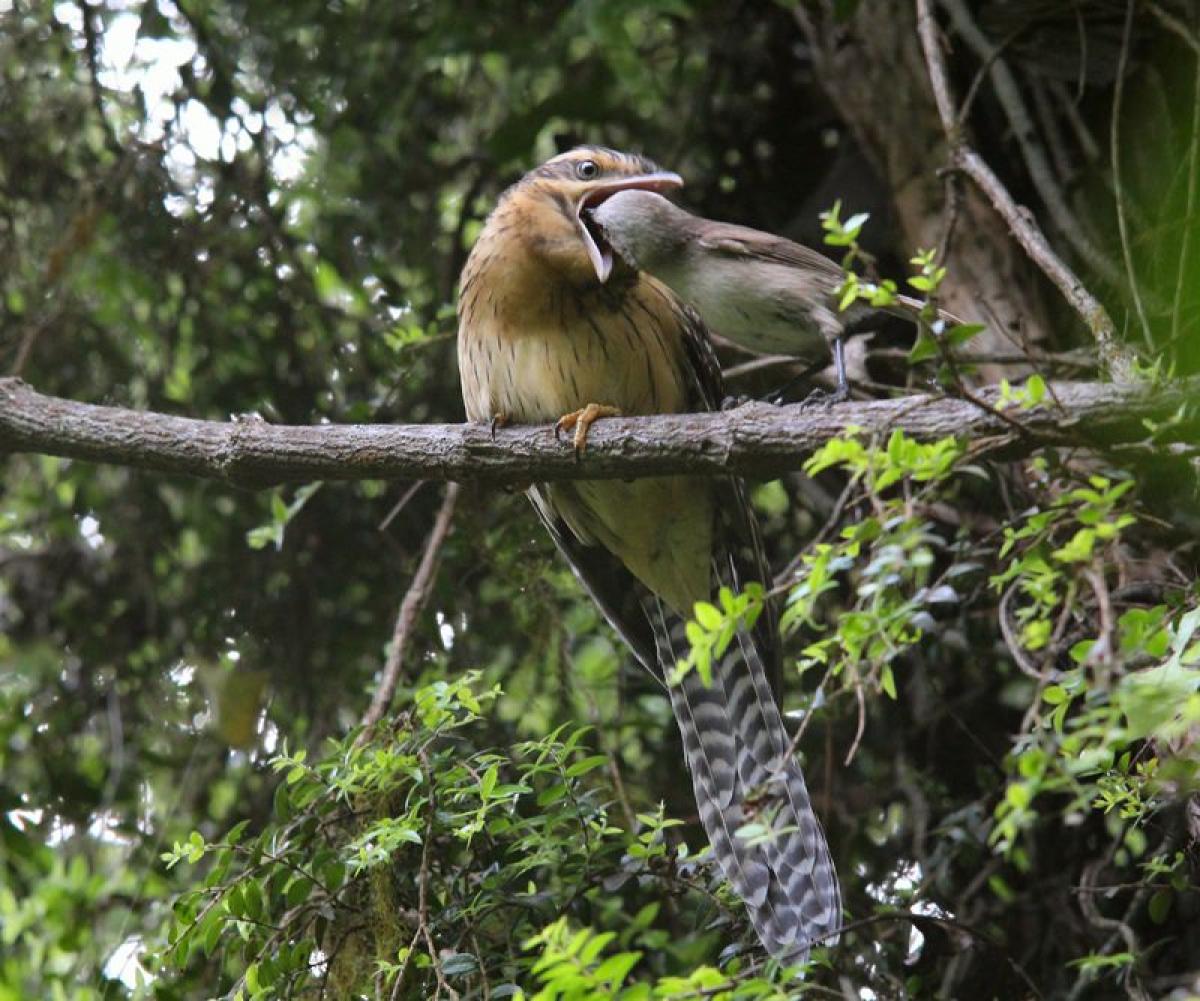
(384, 847)
(890, 552)
(713, 628)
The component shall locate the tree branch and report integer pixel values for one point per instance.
(755, 440)
(410, 609)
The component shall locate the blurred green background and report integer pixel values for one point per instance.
(229, 209)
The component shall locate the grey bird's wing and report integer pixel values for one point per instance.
(742, 242)
(754, 244)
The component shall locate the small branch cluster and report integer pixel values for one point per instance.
(1116, 357)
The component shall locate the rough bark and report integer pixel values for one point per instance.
(754, 440)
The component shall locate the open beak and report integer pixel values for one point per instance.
(599, 252)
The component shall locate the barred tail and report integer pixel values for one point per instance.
(736, 749)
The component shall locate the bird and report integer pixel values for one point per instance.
(760, 291)
(554, 327)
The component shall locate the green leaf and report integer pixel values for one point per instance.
(1018, 794)
(856, 222)
(924, 348)
(1054, 695)
(961, 333)
(1159, 907)
(613, 971)
(709, 616)
(586, 765)
(1153, 699)
(488, 782)
(552, 794)
(459, 964)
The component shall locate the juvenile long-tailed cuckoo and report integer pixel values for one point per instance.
(552, 327)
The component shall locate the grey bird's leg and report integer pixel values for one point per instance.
(864, 324)
(841, 392)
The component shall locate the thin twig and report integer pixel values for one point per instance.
(1172, 23)
(790, 753)
(1190, 207)
(783, 580)
(963, 390)
(951, 183)
(1119, 189)
(1048, 359)
(614, 770)
(1103, 652)
(862, 724)
(484, 982)
(399, 506)
(410, 608)
(33, 330)
(423, 884)
(1011, 639)
(1055, 143)
(91, 44)
(1117, 358)
(1083, 135)
(988, 54)
(1091, 911)
(758, 364)
(1048, 672)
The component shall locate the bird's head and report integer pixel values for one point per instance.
(643, 228)
(556, 197)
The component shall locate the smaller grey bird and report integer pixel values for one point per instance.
(760, 291)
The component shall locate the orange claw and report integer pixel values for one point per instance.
(581, 421)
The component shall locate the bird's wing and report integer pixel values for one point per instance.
(606, 580)
(743, 242)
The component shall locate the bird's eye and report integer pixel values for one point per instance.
(585, 170)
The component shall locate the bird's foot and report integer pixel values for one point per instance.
(581, 420)
(741, 400)
(826, 397)
(498, 421)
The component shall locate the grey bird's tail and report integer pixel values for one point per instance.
(737, 752)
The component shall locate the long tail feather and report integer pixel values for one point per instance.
(736, 750)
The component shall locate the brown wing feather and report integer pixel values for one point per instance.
(742, 241)
(746, 243)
